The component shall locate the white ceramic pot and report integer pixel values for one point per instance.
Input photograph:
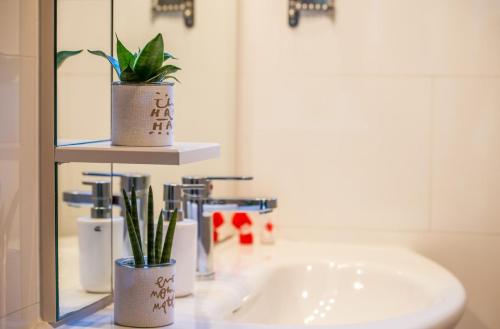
(144, 297)
(142, 114)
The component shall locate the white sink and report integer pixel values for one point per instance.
(324, 293)
(298, 285)
(294, 285)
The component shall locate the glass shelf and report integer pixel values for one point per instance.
(103, 152)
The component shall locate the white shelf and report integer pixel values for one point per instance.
(103, 152)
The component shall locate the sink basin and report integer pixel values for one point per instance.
(296, 285)
(325, 293)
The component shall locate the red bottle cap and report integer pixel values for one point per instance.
(269, 226)
(240, 219)
(218, 219)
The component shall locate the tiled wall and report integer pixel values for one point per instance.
(19, 248)
(381, 125)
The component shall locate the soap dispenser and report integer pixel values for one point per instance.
(129, 180)
(96, 235)
(185, 237)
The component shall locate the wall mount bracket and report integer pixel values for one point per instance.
(175, 6)
(295, 7)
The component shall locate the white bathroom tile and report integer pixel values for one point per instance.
(349, 152)
(28, 317)
(29, 28)
(384, 37)
(18, 185)
(10, 27)
(462, 36)
(10, 67)
(19, 27)
(466, 155)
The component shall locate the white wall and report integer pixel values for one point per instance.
(19, 279)
(381, 126)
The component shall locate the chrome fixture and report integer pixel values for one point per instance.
(173, 197)
(174, 6)
(195, 200)
(101, 199)
(296, 6)
(127, 180)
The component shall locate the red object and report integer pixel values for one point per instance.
(246, 238)
(269, 226)
(218, 221)
(243, 223)
(240, 219)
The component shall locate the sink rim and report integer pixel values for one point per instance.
(447, 312)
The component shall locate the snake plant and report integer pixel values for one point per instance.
(156, 252)
(62, 55)
(144, 66)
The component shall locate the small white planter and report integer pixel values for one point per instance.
(142, 114)
(144, 297)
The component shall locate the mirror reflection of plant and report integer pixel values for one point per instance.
(156, 252)
(63, 55)
(144, 66)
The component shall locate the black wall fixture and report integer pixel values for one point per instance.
(186, 7)
(295, 7)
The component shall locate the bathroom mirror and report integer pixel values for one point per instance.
(85, 236)
(205, 112)
(83, 93)
(83, 81)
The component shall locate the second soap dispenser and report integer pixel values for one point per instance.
(184, 246)
(96, 235)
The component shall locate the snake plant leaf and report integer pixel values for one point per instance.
(169, 238)
(111, 59)
(63, 55)
(135, 214)
(150, 59)
(129, 76)
(135, 242)
(167, 56)
(128, 210)
(159, 238)
(151, 229)
(125, 57)
(171, 77)
(126, 201)
(143, 66)
(163, 72)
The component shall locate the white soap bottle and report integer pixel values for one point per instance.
(100, 241)
(185, 238)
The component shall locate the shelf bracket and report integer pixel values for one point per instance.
(295, 7)
(175, 6)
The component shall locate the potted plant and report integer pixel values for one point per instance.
(144, 285)
(142, 108)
